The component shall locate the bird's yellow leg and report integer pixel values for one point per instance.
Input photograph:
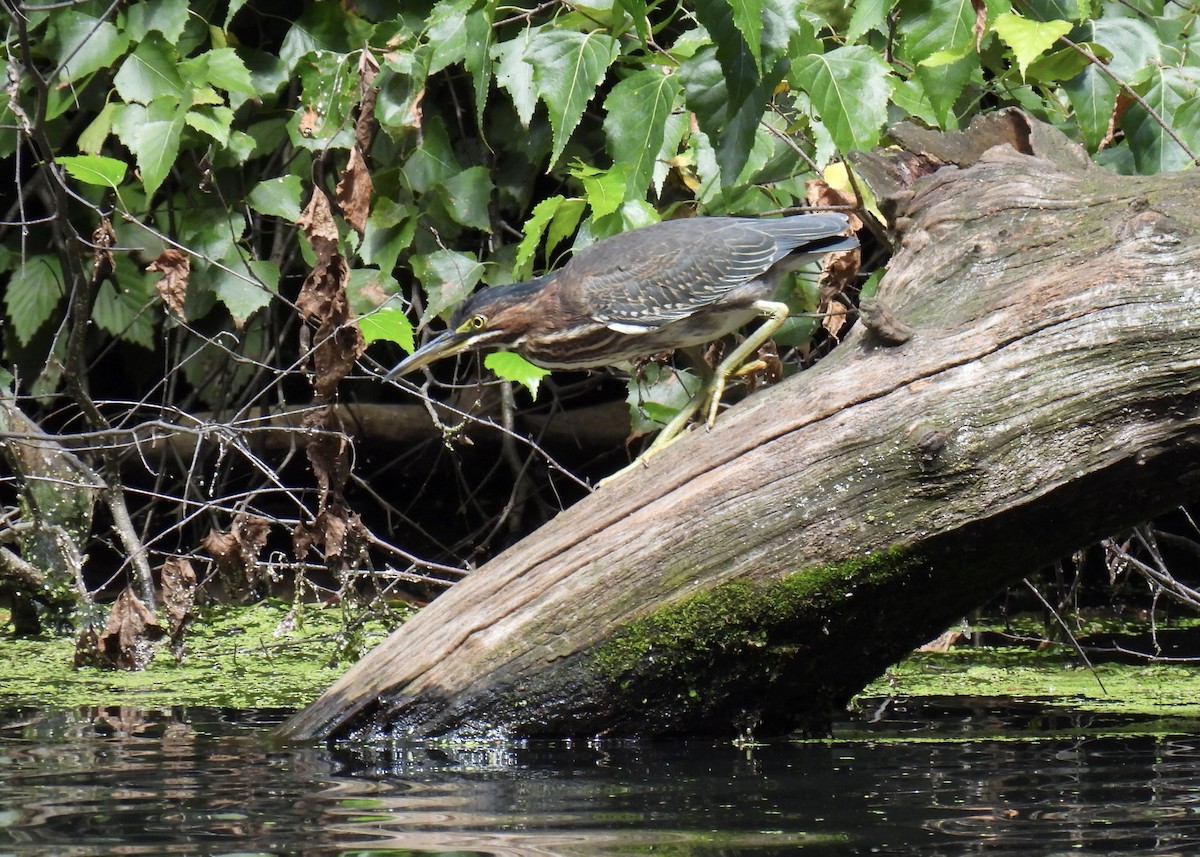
(776, 314)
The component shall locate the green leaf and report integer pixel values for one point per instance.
(636, 113)
(81, 44)
(389, 323)
(245, 292)
(150, 73)
(927, 27)
(730, 122)
(91, 139)
(735, 27)
(468, 194)
(447, 277)
(213, 121)
(127, 312)
(1132, 44)
(477, 58)
(515, 75)
(1028, 39)
(434, 162)
(33, 292)
(1174, 95)
(164, 16)
(328, 93)
(849, 88)
(567, 68)
(639, 12)
(390, 229)
(447, 33)
(94, 169)
(1065, 64)
(156, 143)
(868, 15)
(556, 217)
(1092, 94)
(221, 68)
(943, 84)
(513, 367)
(278, 197)
(603, 189)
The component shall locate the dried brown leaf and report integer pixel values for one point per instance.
(354, 191)
(821, 194)
(328, 452)
(175, 266)
(103, 239)
(1122, 103)
(127, 639)
(179, 595)
(981, 11)
(338, 342)
(366, 126)
(316, 221)
(337, 533)
(236, 552)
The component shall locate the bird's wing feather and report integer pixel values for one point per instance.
(652, 276)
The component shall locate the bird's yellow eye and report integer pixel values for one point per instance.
(475, 322)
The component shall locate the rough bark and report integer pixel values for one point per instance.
(756, 576)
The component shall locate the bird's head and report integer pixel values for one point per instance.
(496, 317)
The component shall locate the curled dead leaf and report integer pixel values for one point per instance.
(127, 641)
(175, 266)
(354, 191)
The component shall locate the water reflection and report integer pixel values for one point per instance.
(1014, 781)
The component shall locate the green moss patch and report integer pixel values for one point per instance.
(264, 656)
(1159, 690)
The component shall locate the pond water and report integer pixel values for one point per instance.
(946, 777)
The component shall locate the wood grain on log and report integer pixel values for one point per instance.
(756, 576)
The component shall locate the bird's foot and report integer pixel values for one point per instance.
(643, 461)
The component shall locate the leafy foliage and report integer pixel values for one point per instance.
(463, 143)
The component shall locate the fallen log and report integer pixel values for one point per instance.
(756, 576)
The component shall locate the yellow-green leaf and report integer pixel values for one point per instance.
(1028, 39)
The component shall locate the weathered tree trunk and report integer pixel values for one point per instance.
(760, 574)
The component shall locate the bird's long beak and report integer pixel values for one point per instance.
(443, 345)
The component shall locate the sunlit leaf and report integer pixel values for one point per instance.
(94, 169)
(603, 189)
(555, 217)
(279, 197)
(567, 67)
(83, 44)
(1029, 39)
(636, 113)
(150, 73)
(391, 324)
(515, 75)
(221, 68)
(849, 87)
(513, 367)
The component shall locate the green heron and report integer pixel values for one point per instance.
(675, 284)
